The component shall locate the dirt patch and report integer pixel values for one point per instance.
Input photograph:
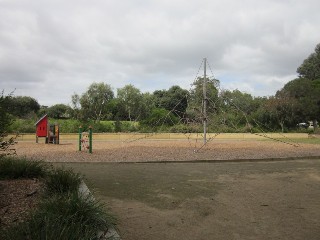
(17, 198)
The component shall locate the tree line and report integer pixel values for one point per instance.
(181, 110)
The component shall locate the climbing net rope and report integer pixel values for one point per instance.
(223, 120)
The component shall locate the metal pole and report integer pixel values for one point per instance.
(80, 133)
(205, 103)
(90, 139)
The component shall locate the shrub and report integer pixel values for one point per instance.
(13, 168)
(159, 117)
(63, 213)
(23, 126)
(61, 181)
(65, 218)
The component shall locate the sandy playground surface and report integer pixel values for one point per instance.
(149, 150)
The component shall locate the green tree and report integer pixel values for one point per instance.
(236, 108)
(131, 100)
(304, 96)
(310, 68)
(244, 102)
(6, 119)
(175, 99)
(94, 102)
(281, 110)
(160, 117)
(59, 111)
(196, 94)
(23, 106)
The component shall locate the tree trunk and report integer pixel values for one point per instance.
(315, 125)
(282, 126)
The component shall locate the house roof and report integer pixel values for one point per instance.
(41, 119)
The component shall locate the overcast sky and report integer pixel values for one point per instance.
(51, 49)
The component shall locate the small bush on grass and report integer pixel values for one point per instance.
(14, 167)
(62, 181)
(72, 217)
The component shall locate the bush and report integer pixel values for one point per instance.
(61, 181)
(68, 125)
(72, 217)
(103, 126)
(63, 213)
(23, 126)
(127, 126)
(13, 168)
(159, 117)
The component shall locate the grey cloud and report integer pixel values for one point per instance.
(152, 44)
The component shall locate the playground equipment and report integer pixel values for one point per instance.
(85, 140)
(49, 131)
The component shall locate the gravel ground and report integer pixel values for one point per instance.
(166, 150)
(17, 197)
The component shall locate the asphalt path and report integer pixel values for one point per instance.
(210, 200)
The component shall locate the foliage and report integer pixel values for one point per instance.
(196, 95)
(304, 99)
(62, 181)
(131, 102)
(23, 126)
(94, 101)
(59, 111)
(159, 117)
(14, 167)
(6, 120)
(310, 68)
(175, 99)
(63, 213)
(235, 99)
(68, 218)
(23, 106)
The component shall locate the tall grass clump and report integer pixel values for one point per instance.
(63, 212)
(72, 218)
(62, 181)
(20, 167)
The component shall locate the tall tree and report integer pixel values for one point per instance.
(131, 100)
(175, 99)
(59, 111)
(196, 94)
(94, 101)
(281, 110)
(239, 100)
(236, 107)
(310, 68)
(23, 106)
(6, 119)
(306, 98)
